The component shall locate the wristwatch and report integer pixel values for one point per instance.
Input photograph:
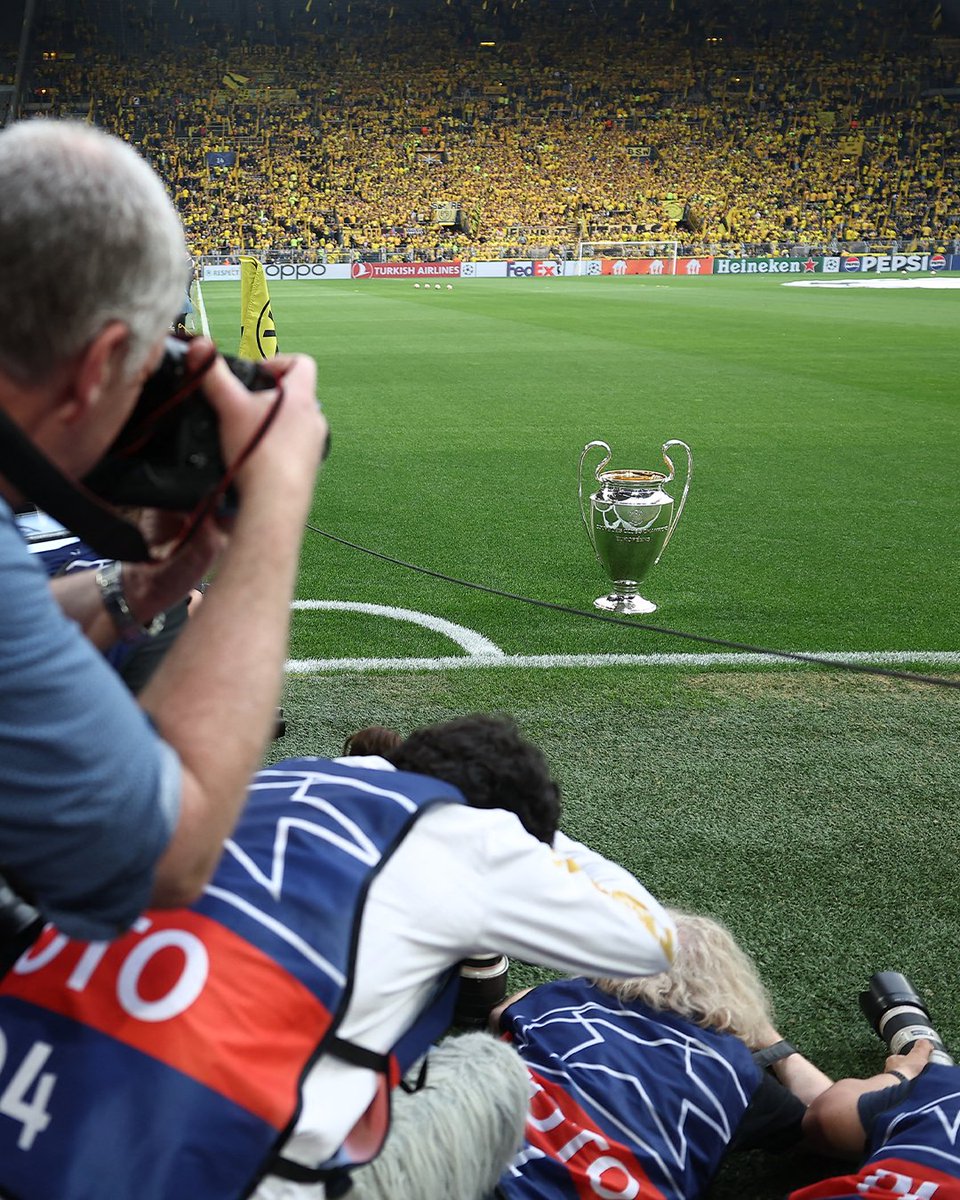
(110, 583)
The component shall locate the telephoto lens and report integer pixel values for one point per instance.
(898, 1015)
(483, 985)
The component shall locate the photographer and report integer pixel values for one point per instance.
(905, 1119)
(320, 963)
(106, 807)
(648, 1083)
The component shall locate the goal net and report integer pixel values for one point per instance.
(627, 258)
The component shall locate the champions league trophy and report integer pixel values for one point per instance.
(630, 523)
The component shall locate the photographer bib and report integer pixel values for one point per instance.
(169, 1062)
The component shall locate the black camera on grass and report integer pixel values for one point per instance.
(899, 1017)
(168, 455)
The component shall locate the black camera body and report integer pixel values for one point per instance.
(168, 454)
(20, 926)
(899, 1017)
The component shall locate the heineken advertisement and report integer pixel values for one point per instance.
(838, 264)
(766, 266)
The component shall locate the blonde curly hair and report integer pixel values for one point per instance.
(712, 982)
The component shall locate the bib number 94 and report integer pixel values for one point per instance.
(26, 1093)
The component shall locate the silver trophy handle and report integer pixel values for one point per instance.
(589, 446)
(686, 488)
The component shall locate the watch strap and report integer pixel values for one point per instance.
(110, 583)
(772, 1054)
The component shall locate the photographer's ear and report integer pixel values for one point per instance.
(98, 368)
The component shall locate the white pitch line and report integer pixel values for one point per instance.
(938, 284)
(880, 658)
(468, 639)
(204, 323)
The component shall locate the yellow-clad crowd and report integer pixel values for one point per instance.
(347, 144)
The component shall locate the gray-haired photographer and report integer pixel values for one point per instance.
(107, 805)
(901, 1125)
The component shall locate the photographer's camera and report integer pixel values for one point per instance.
(483, 985)
(168, 454)
(899, 1017)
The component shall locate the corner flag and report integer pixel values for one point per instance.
(258, 334)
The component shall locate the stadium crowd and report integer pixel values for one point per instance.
(826, 134)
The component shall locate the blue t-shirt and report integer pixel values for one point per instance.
(89, 794)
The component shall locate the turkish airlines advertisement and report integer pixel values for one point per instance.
(410, 270)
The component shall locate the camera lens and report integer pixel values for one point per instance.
(886, 990)
(483, 984)
(898, 1015)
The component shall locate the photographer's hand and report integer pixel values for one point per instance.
(153, 587)
(910, 1064)
(148, 588)
(289, 452)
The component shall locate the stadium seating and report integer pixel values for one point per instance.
(341, 135)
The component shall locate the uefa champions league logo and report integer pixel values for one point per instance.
(614, 520)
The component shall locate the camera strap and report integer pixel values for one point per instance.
(78, 509)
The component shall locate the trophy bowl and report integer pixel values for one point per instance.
(631, 520)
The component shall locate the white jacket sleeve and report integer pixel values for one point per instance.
(607, 875)
(566, 907)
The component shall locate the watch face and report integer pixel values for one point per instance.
(156, 626)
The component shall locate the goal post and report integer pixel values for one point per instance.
(591, 257)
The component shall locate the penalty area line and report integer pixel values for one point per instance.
(879, 658)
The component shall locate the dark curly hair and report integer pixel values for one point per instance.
(492, 764)
(372, 739)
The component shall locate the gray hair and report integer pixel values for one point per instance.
(476, 1085)
(712, 982)
(88, 235)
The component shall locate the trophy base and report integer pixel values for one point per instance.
(623, 603)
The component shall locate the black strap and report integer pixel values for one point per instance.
(769, 1055)
(32, 473)
(357, 1056)
(421, 1080)
(336, 1181)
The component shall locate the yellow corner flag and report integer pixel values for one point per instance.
(258, 333)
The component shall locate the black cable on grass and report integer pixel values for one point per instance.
(796, 656)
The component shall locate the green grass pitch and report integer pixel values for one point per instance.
(816, 812)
